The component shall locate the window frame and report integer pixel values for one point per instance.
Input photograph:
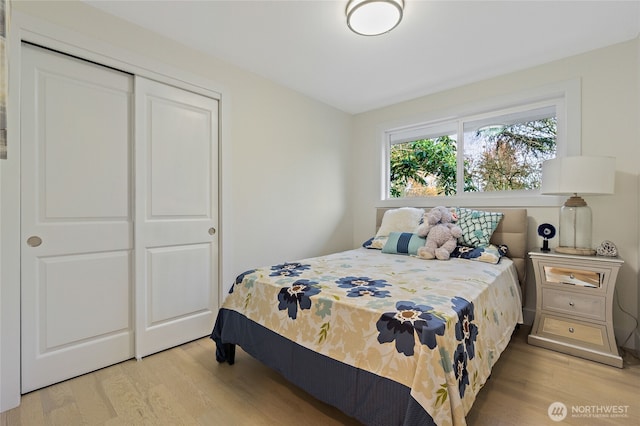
(565, 96)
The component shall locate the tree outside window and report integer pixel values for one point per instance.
(500, 153)
(505, 158)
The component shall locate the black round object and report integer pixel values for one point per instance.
(547, 231)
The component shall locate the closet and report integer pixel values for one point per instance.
(119, 216)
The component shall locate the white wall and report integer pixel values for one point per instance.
(285, 162)
(610, 99)
(286, 159)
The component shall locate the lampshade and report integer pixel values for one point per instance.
(577, 175)
(374, 17)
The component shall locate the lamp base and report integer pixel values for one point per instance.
(576, 250)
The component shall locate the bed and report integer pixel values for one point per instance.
(384, 336)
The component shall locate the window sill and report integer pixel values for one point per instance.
(478, 200)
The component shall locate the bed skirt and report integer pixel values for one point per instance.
(367, 397)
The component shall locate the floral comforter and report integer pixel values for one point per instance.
(436, 327)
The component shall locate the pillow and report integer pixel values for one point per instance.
(404, 219)
(403, 243)
(477, 226)
(489, 254)
(375, 242)
(367, 244)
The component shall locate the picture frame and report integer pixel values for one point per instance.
(4, 16)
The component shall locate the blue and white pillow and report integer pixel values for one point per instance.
(403, 243)
(488, 254)
(477, 226)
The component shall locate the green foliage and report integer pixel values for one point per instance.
(442, 393)
(429, 164)
(324, 331)
(498, 158)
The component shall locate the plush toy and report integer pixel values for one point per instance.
(441, 233)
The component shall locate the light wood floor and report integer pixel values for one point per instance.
(186, 386)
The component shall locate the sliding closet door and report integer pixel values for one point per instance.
(76, 230)
(176, 243)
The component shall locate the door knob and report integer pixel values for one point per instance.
(212, 231)
(34, 241)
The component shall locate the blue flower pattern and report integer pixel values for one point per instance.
(352, 282)
(298, 294)
(240, 278)
(411, 319)
(460, 368)
(466, 331)
(288, 269)
(466, 334)
(368, 291)
(408, 320)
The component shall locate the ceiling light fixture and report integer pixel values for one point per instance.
(374, 17)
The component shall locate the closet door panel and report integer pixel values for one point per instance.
(105, 303)
(84, 129)
(176, 215)
(180, 158)
(76, 221)
(174, 293)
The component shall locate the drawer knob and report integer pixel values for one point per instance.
(572, 276)
(571, 329)
(572, 304)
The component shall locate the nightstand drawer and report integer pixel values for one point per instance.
(572, 303)
(575, 276)
(588, 333)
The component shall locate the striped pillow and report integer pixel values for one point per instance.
(403, 243)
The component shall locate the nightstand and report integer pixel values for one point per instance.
(574, 303)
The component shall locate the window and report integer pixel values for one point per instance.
(505, 152)
(498, 151)
(422, 166)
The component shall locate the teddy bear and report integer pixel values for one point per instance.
(441, 233)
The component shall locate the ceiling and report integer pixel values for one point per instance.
(306, 45)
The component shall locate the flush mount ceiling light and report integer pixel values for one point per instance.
(374, 17)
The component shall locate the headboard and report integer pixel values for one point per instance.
(512, 231)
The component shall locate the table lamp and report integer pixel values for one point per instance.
(572, 176)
